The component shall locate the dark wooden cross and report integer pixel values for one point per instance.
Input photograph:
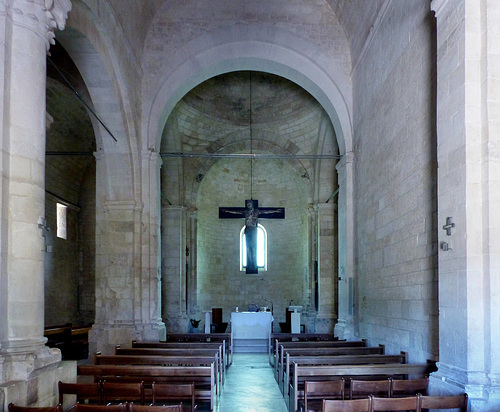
(251, 213)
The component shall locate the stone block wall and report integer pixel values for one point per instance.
(395, 183)
(220, 281)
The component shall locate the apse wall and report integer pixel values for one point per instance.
(395, 184)
(220, 281)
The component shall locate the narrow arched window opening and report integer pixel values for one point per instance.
(261, 248)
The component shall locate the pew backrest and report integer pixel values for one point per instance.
(378, 371)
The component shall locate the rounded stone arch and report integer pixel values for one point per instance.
(232, 145)
(90, 48)
(250, 48)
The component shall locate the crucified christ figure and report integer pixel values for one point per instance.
(251, 214)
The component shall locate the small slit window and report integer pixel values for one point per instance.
(62, 221)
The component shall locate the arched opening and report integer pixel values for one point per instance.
(208, 126)
(70, 183)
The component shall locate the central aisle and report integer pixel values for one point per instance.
(250, 386)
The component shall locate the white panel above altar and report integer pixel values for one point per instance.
(251, 331)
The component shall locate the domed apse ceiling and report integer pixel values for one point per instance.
(243, 113)
(279, 112)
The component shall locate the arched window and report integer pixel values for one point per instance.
(261, 248)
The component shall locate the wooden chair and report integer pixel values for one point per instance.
(395, 404)
(356, 405)
(155, 408)
(164, 393)
(118, 392)
(15, 408)
(85, 392)
(408, 387)
(444, 402)
(79, 407)
(362, 389)
(316, 391)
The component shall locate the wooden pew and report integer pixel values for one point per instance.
(202, 376)
(187, 345)
(73, 341)
(205, 337)
(281, 346)
(100, 359)
(377, 371)
(297, 337)
(335, 360)
(180, 351)
(320, 352)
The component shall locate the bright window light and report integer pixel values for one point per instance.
(61, 221)
(261, 248)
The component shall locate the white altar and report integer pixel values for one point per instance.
(251, 331)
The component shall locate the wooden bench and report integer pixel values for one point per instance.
(335, 360)
(203, 377)
(297, 337)
(377, 371)
(185, 345)
(100, 359)
(73, 341)
(282, 346)
(180, 352)
(205, 337)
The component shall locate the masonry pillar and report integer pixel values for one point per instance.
(344, 329)
(128, 303)
(468, 131)
(327, 270)
(27, 367)
(174, 267)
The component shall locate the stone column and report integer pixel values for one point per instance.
(174, 267)
(344, 329)
(468, 131)
(328, 278)
(192, 279)
(127, 261)
(26, 31)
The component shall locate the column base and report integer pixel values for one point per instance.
(344, 329)
(482, 388)
(104, 337)
(30, 378)
(325, 323)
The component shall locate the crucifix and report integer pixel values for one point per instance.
(251, 212)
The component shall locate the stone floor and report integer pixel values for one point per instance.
(250, 386)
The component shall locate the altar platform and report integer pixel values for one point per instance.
(251, 331)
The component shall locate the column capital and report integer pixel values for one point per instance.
(152, 156)
(439, 6)
(42, 17)
(346, 159)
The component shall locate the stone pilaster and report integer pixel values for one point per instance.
(344, 329)
(174, 267)
(327, 276)
(468, 69)
(27, 367)
(127, 264)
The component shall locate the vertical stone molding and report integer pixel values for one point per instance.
(468, 193)
(344, 329)
(174, 267)
(328, 276)
(191, 256)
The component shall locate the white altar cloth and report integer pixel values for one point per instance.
(251, 331)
